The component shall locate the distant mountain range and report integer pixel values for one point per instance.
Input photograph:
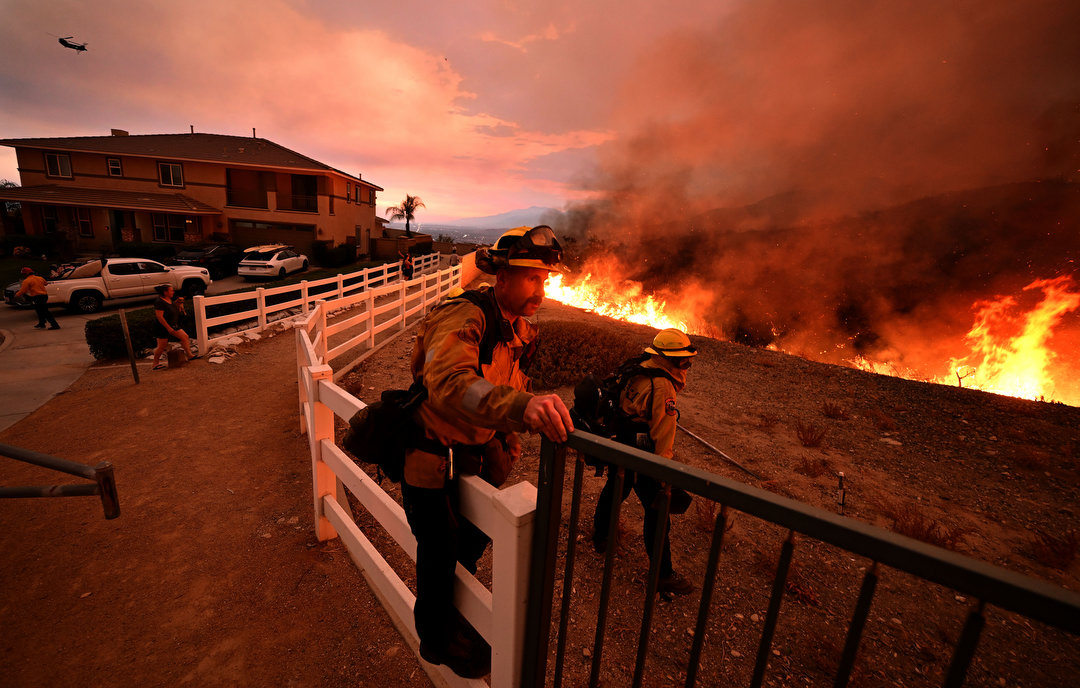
(482, 229)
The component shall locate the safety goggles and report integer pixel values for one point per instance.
(539, 243)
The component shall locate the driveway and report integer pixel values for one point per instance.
(36, 365)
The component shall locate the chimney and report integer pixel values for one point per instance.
(192, 128)
(253, 132)
(118, 132)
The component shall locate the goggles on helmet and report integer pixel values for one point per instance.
(537, 244)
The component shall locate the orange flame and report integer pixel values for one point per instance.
(1010, 351)
(1009, 348)
(625, 300)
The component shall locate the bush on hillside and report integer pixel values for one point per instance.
(105, 336)
(570, 350)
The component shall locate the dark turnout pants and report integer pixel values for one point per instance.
(647, 491)
(41, 307)
(443, 538)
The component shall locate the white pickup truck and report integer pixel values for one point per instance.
(86, 287)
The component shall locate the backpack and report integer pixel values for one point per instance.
(381, 432)
(597, 407)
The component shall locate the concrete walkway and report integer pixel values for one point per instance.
(36, 365)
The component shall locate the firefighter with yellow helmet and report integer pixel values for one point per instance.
(648, 417)
(468, 354)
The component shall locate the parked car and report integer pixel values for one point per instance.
(86, 287)
(276, 260)
(220, 260)
(57, 272)
(9, 296)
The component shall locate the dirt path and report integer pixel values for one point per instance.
(212, 575)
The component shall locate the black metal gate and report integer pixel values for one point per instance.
(987, 584)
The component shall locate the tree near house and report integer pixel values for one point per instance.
(406, 211)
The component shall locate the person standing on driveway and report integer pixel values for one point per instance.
(167, 325)
(34, 286)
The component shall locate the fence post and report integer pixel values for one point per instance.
(322, 347)
(260, 302)
(202, 338)
(304, 297)
(301, 386)
(340, 286)
(516, 507)
(369, 298)
(320, 427)
(401, 303)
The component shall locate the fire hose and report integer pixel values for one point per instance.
(722, 455)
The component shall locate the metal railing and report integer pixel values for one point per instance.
(987, 584)
(104, 484)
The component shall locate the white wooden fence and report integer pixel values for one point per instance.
(302, 296)
(505, 515)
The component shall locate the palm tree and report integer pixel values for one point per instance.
(406, 211)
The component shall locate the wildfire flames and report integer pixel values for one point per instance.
(1009, 343)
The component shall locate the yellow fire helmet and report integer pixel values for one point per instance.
(671, 343)
(529, 248)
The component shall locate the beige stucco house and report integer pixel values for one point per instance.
(99, 191)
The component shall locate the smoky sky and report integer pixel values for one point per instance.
(849, 174)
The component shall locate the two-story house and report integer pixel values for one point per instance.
(94, 192)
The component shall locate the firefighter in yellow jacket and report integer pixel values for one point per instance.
(649, 416)
(468, 354)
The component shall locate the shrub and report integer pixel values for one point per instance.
(35, 244)
(813, 468)
(833, 410)
(142, 249)
(906, 520)
(569, 351)
(105, 336)
(809, 434)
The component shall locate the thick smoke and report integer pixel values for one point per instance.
(849, 177)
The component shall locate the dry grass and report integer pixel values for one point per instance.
(1056, 552)
(814, 468)
(907, 520)
(1031, 458)
(833, 410)
(571, 350)
(881, 421)
(809, 434)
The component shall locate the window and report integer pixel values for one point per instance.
(124, 268)
(148, 268)
(357, 193)
(169, 227)
(115, 170)
(58, 165)
(86, 228)
(49, 218)
(348, 191)
(170, 174)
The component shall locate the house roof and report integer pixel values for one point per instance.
(107, 198)
(233, 150)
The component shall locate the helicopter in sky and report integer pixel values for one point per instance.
(78, 47)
